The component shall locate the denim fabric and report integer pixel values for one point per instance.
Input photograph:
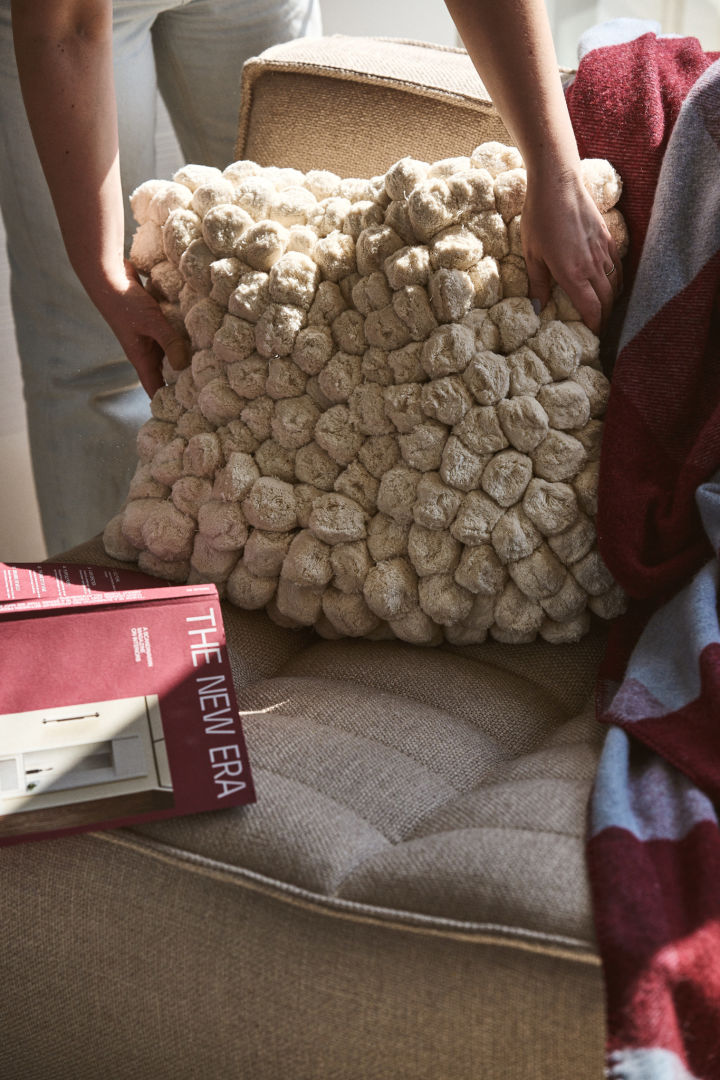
(84, 403)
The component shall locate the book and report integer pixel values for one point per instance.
(117, 703)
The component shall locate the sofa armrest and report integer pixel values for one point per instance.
(355, 105)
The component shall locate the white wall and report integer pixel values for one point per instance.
(419, 20)
(428, 20)
(570, 18)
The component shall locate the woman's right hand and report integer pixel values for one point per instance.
(141, 328)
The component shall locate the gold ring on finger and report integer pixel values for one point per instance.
(611, 271)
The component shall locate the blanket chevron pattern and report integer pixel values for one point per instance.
(654, 838)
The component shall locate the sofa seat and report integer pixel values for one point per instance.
(406, 899)
(425, 784)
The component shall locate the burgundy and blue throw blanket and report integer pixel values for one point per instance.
(652, 107)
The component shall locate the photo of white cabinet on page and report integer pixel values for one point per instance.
(79, 753)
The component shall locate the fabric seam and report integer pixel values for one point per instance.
(558, 946)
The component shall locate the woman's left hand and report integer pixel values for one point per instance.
(565, 238)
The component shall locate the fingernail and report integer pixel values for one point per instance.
(536, 306)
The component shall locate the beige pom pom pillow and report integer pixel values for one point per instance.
(377, 435)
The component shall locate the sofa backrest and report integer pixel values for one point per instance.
(355, 105)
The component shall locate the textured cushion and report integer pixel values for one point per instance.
(377, 435)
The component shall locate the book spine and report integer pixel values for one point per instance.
(102, 599)
(59, 586)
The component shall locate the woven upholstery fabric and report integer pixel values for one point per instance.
(429, 782)
(135, 960)
(378, 435)
(448, 784)
(287, 94)
(300, 102)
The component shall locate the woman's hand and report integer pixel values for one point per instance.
(141, 328)
(564, 237)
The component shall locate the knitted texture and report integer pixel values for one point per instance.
(377, 436)
(662, 445)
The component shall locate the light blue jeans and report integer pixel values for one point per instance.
(84, 403)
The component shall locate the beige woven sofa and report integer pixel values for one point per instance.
(408, 898)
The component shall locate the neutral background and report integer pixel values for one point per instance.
(427, 20)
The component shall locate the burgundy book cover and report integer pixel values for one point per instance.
(116, 702)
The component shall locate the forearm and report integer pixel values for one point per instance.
(510, 44)
(65, 61)
(563, 234)
(64, 57)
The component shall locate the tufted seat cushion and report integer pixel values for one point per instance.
(424, 784)
(441, 783)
